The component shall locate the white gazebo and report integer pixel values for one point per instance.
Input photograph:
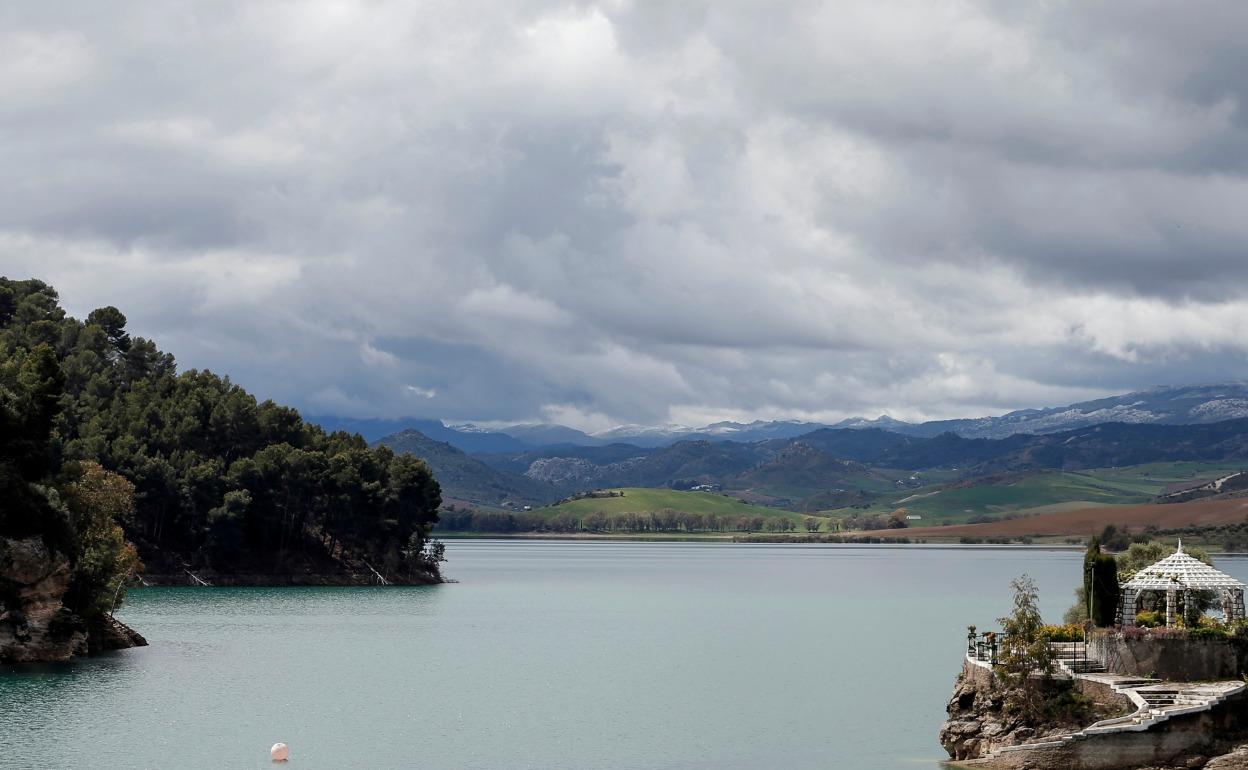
(1180, 572)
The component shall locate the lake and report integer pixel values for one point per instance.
(545, 655)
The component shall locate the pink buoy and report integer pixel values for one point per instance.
(280, 752)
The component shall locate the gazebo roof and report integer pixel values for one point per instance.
(1180, 571)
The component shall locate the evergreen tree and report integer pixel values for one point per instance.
(1100, 584)
(216, 476)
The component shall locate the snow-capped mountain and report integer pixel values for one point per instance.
(1168, 405)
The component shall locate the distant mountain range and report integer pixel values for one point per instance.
(1176, 405)
(826, 468)
(471, 441)
(1186, 405)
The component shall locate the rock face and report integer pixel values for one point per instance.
(1235, 760)
(35, 626)
(976, 723)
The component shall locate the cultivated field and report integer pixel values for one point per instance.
(1087, 521)
(1050, 491)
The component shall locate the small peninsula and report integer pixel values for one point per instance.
(116, 469)
(1144, 678)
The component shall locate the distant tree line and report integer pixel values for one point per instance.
(663, 520)
(1231, 537)
(826, 538)
(217, 477)
(865, 521)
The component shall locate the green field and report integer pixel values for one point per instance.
(641, 500)
(1048, 491)
(661, 513)
(881, 485)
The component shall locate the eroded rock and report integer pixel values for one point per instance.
(1235, 760)
(35, 626)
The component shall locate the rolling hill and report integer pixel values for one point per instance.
(466, 479)
(642, 500)
(1032, 492)
(844, 472)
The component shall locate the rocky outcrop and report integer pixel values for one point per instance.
(1235, 760)
(1177, 726)
(109, 633)
(35, 625)
(979, 724)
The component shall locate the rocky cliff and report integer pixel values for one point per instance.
(35, 625)
(979, 726)
(979, 722)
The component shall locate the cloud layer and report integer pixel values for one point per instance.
(642, 212)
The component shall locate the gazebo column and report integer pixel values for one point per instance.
(1126, 611)
(1171, 601)
(1236, 601)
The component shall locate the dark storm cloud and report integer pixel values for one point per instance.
(637, 211)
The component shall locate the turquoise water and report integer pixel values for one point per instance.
(545, 655)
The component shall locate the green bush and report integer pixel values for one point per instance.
(1150, 618)
(1066, 706)
(1209, 632)
(1071, 632)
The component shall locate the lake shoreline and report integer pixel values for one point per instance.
(736, 538)
(213, 580)
(732, 540)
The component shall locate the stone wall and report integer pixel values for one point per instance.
(1179, 659)
(1104, 696)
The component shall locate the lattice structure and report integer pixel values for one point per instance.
(1177, 573)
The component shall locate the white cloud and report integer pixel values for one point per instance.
(372, 356)
(421, 392)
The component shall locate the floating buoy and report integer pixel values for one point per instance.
(279, 752)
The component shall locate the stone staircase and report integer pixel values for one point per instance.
(1072, 658)
(1155, 701)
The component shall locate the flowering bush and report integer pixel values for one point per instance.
(1071, 632)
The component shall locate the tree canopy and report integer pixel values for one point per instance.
(217, 477)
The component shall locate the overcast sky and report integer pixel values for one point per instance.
(599, 213)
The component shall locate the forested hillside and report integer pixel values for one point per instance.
(466, 479)
(220, 481)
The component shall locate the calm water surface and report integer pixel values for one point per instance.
(545, 655)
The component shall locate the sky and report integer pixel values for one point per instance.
(597, 213)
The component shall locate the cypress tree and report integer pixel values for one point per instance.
(1100, 584)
